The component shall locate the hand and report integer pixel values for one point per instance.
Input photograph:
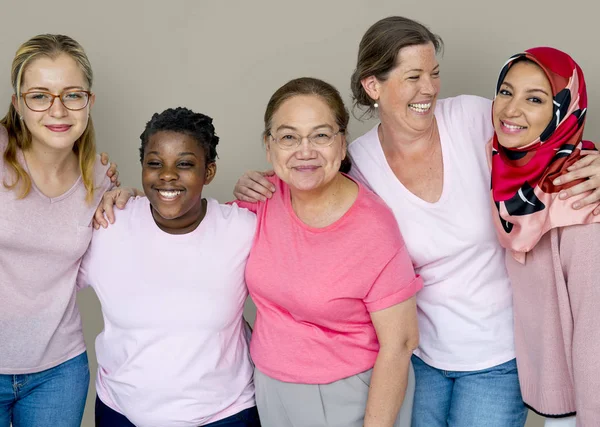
(586, 167)
(254, 187)
(112, 171)
(119, 197)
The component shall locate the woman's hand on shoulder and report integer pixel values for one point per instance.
(105, 211)
(254, 186)
(588, 168)
(112, 173)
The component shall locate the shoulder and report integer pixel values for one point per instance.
(377, 219)
(130, 216)
(364, 143)
(469, 114)
(235, 218)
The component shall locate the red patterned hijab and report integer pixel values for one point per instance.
(522, 189)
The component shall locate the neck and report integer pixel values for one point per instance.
(320, 199)
(184, 224)
(50, 162)
(397, 141)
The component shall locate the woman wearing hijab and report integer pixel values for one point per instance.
(539, 115)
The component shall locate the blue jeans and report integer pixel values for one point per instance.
(487, 398)
(54, 397)
(108, 417)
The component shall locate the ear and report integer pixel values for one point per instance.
(211, 171)
(344, 146)
(15, 103)
(92, 100)
(371, 86)
(267, 148)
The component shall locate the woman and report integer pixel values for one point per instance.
(422, 159)
(175, 286)
(539, 115)
(52, 181)
(330, 276)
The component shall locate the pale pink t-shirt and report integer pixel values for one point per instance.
(42, 240)
(315, 287)
(174, 351)
(465, 307)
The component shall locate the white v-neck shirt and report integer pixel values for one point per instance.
(465, 308)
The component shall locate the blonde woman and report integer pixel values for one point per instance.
(50, 183)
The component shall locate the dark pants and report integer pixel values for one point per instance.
(107, 417)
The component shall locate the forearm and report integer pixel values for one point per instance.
(388, 387)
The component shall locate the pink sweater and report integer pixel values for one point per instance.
(42, 241)
(557, 323)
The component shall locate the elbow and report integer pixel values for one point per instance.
(411, 343)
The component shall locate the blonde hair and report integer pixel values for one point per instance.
(49, 46)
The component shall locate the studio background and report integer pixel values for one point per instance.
(226, 58)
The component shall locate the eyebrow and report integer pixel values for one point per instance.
(420, 69)
(184, 153)
(528, 90)
(45, 89)
(295, 129)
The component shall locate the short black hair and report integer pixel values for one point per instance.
(183, 120)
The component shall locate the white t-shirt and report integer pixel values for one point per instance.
(465, 307)
(174, 350)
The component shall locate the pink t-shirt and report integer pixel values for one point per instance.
(174, 351)
(42, 240)
(315, 287)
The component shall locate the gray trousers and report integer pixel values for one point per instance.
(338, 404)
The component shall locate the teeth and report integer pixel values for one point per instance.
(421, 108)
(169, 194)
(513, 126)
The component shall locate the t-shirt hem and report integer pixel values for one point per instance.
(21, 371)
(294, 379)
(506, 357)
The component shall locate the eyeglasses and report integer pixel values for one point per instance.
(73, 100)
(320, 139)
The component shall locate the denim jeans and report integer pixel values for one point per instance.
(486, 398)
(54, 397)
(107, 417)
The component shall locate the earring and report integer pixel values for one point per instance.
(21, 118)
(376, 105)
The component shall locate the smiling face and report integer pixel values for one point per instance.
(56, 128)
(305, 167)
(523, 107)
(407, 97)
(174, 171)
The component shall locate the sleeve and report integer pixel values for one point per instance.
(252, 207)
(396, 283)
(580, 246)
(83, 280)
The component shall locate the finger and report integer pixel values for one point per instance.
(582, 162)
(573, 176)
(99, 219)
(118, 183)
(107, 205)
(261, 179)
(249, 188)
(597, 211)
(123, 198)
(592, 198)
(270, 172)
(249, 196)
(582, 187)
(104, 158)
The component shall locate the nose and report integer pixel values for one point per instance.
(168, 174)
(428, 86)
(306, 149)
(512, 108)
(57, 109)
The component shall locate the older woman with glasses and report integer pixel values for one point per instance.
(51, 181)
